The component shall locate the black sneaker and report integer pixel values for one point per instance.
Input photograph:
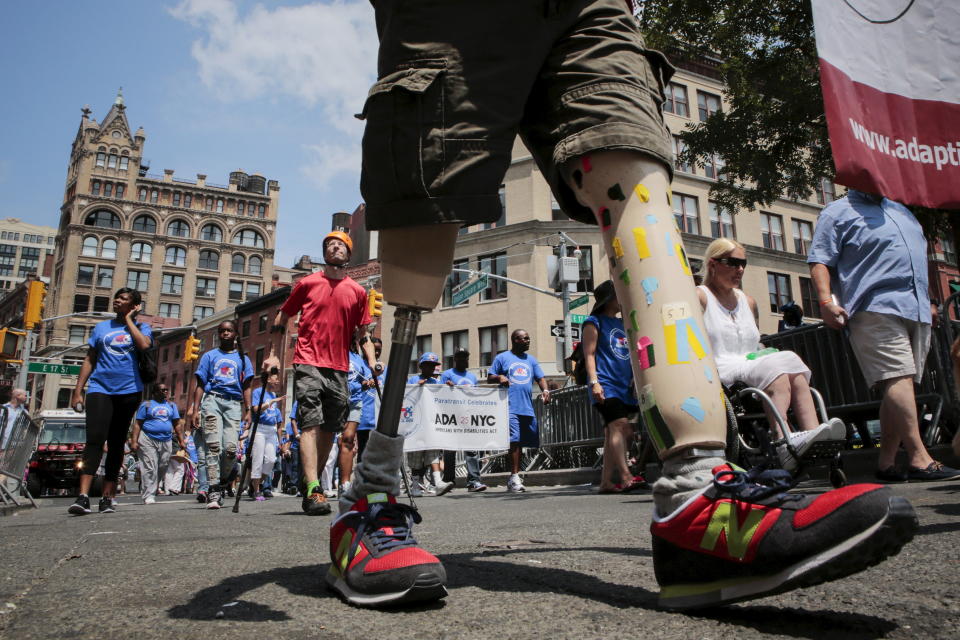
(316, 504)
(214, 500)
(230, 493)
(107, 505)
(202, 497)
(81, 506)
(267, 494)
(890, 475)
(934, 471)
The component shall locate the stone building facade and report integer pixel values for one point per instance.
(24, 248)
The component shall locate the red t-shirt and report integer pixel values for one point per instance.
(330, 311)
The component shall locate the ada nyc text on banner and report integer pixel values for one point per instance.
(890, 72)
(454, 418)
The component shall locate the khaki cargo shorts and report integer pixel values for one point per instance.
(322, 397)
(459, 79)
(888, 346)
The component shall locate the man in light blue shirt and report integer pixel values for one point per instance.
(871, 253)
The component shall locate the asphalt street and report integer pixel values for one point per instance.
(556, 562)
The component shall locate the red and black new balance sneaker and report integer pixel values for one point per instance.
(745, 537)
(375, 560)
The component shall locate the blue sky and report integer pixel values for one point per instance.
(217, 85)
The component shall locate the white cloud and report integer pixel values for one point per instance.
(327, 161)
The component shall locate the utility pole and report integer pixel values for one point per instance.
(569, 268)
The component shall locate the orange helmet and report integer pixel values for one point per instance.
(339, 235)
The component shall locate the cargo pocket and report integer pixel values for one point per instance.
(403, 140)
(659, 74)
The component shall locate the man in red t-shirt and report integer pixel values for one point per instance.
(333, 309)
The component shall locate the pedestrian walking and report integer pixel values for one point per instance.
(263, 451)
(112, 367)
(155, 426)
(16, 406)
(459, 375)
(359, 379)
(290, 454)
(368, 413)
(219, 401)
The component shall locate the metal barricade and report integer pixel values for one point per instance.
(17, 442)
(568, 426)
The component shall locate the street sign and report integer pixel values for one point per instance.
(556, 331)
(579, 302)
(60, 369)
(462, 293)
(576, 318)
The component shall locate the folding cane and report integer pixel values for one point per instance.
(248, 462)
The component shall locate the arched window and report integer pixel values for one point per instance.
(248, 238)
(145, 223)
(89, 246)
(238, 263)
(219, 205)
(154, 195)
(255, 265)
(109, 249)
(211, 233)
(240, 208)
(178, 228)
(142, 194)
(103, 218)
(209, 259)
(141, 252)
(176, 256)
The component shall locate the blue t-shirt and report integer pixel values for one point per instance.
(368, 412)
(271, 415)
(415, 379)
(158, 419)
(460, 379)
(288, 437)
(613, 358)
(358, 372)
(521, 371)
(217, 372)
(117, 371)
(191, 448)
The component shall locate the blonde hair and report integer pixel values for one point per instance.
(717, 249)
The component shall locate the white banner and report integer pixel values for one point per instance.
(454, 418)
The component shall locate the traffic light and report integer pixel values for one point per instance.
(33, 314)
(10, 343)
(375, 302)
(191, 349)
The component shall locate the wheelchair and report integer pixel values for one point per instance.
(749, 441)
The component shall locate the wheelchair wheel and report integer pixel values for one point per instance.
(733, 433)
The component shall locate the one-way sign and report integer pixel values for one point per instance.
(556, 330)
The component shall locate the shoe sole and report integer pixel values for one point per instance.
(868, 548)
(78, 510)
(213, 505)
(445, 489)
(476, 489)
(426, 588)
(318, 511)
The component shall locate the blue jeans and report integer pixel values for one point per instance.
(472, 459)
(220, 422)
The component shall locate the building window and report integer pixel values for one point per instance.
(779, 286)
(211, 233)
(240, 208)
(454, 280)
(78, 333)
(826, 191)
(154, 196)
(101, 303)
(112, 161)
(493, 340)
(261, 211)
(145, 223)
(707, 104)
(199, 312)
(124, 164)
(248, 238)
(142, 194)
(494, 264)
(949, 250)
(721, 221)
(178, 228)
(245, 329)
(95, 187)
(176, 198)
(81, 304)
(686, 212)
(253, 290)
(139, 280)
(206, 287)
(802, 236)
(238, 263)
(141, 252)
(713, 167)
(209, 204)
(452, 341)
(103, 218)
(176, 256)
(172, 283)
(120, 190)
(169, 310)
(187, 200)
(259, 359)
(255, 265)
(556, 213)
(808, 298)
(262, 324)
(236, 291)
(109, 249)
(209, 260)
(105, 277)
(85, 274)
(771, 230)
(107, 189)
(677, 102)
(101, 159)
(680, 147)
(90, 247)
(220, 210)
(424, 344)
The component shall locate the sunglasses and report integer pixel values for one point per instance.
(733, 262)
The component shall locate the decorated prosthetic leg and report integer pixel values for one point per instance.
(720, 534)
(375, 560)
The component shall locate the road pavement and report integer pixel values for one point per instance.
(556, 562)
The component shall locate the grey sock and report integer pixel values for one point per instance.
(378, 472)
(681, 478)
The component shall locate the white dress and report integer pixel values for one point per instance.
(734, 334)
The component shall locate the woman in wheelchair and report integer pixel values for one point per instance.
(731, 319)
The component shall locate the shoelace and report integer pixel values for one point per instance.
(756, 484)
(399, 518)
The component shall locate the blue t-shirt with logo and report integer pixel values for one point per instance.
(459, 378)
(415, 379)
(521, 371)
(271, 415)
(191, 448)
(118, 367)
(218, 372)
(613, 358)
(358, 372)
(368, 412)
(158, 419)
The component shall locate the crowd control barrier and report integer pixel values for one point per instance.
(17, 442)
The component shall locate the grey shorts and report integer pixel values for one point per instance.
(355, 411)
(888, 346)
(322, 398)
(458, 80)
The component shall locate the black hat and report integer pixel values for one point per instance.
(602, 294)
(461, 352)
